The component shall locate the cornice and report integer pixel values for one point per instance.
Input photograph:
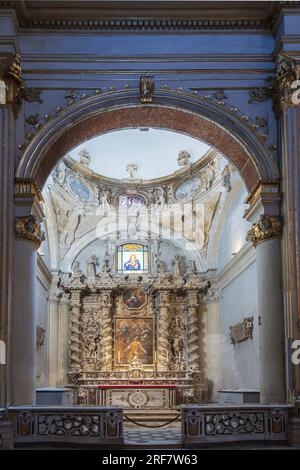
(145, 16)
(239, 263)
(145, 24)
(175, 177)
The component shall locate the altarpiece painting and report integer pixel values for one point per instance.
(134, 341)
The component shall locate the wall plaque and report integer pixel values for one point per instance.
(242, 330)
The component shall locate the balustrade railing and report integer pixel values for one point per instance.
(72, 424)
(202, 424)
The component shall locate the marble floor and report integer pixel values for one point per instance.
(150, 435)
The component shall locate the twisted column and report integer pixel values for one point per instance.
(106, 331)
(75, 333)
(193, 359)
(163, 331)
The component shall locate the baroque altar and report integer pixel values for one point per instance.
(134, 338)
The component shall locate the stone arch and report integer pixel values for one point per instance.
(89, 238)
(177, 111)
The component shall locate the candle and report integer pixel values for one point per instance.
(119, 357)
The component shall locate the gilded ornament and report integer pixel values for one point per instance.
(33, 119)
(267, 227)
(258, 94)
(285, 87)
(30, 94)
(146, 88)
(27, 228)
(220, 96)
(11, 75)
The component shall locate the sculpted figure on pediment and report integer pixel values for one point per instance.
(91, 266)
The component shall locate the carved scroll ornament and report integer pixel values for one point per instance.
(285, 89)
(27, 228)
(266, 227)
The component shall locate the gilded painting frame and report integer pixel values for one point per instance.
(134, 341)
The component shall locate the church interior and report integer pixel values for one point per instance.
(150, 224)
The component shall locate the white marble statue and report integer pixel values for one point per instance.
(105, 199)
(84, 157)
(91, 266)
(183, 158)
(169, 195)
(191, 267)
(209, 175)
(106, 267)
(176, 266)
(60, 173)
(131, 169)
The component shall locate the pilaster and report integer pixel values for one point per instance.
(213, 344)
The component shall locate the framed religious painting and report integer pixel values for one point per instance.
(133, 258)
(134, 298)
(134, 341)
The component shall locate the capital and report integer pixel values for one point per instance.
(212, 295)
(28, 228)
(163, 299)
(11, 75)
(285, 89)
(267, 227)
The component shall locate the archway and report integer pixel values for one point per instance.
(218, 126)
(200, 118)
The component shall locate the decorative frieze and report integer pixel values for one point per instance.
(267, 227)
(144, 24)
(28, 228)
(242, 331)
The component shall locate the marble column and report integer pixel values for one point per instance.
(193, 350)
(75, 332)
(63, 345)
(24, 322)
(213, 344)
(163, 332)
(106, 331)
(265, 234)
(52, 332)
